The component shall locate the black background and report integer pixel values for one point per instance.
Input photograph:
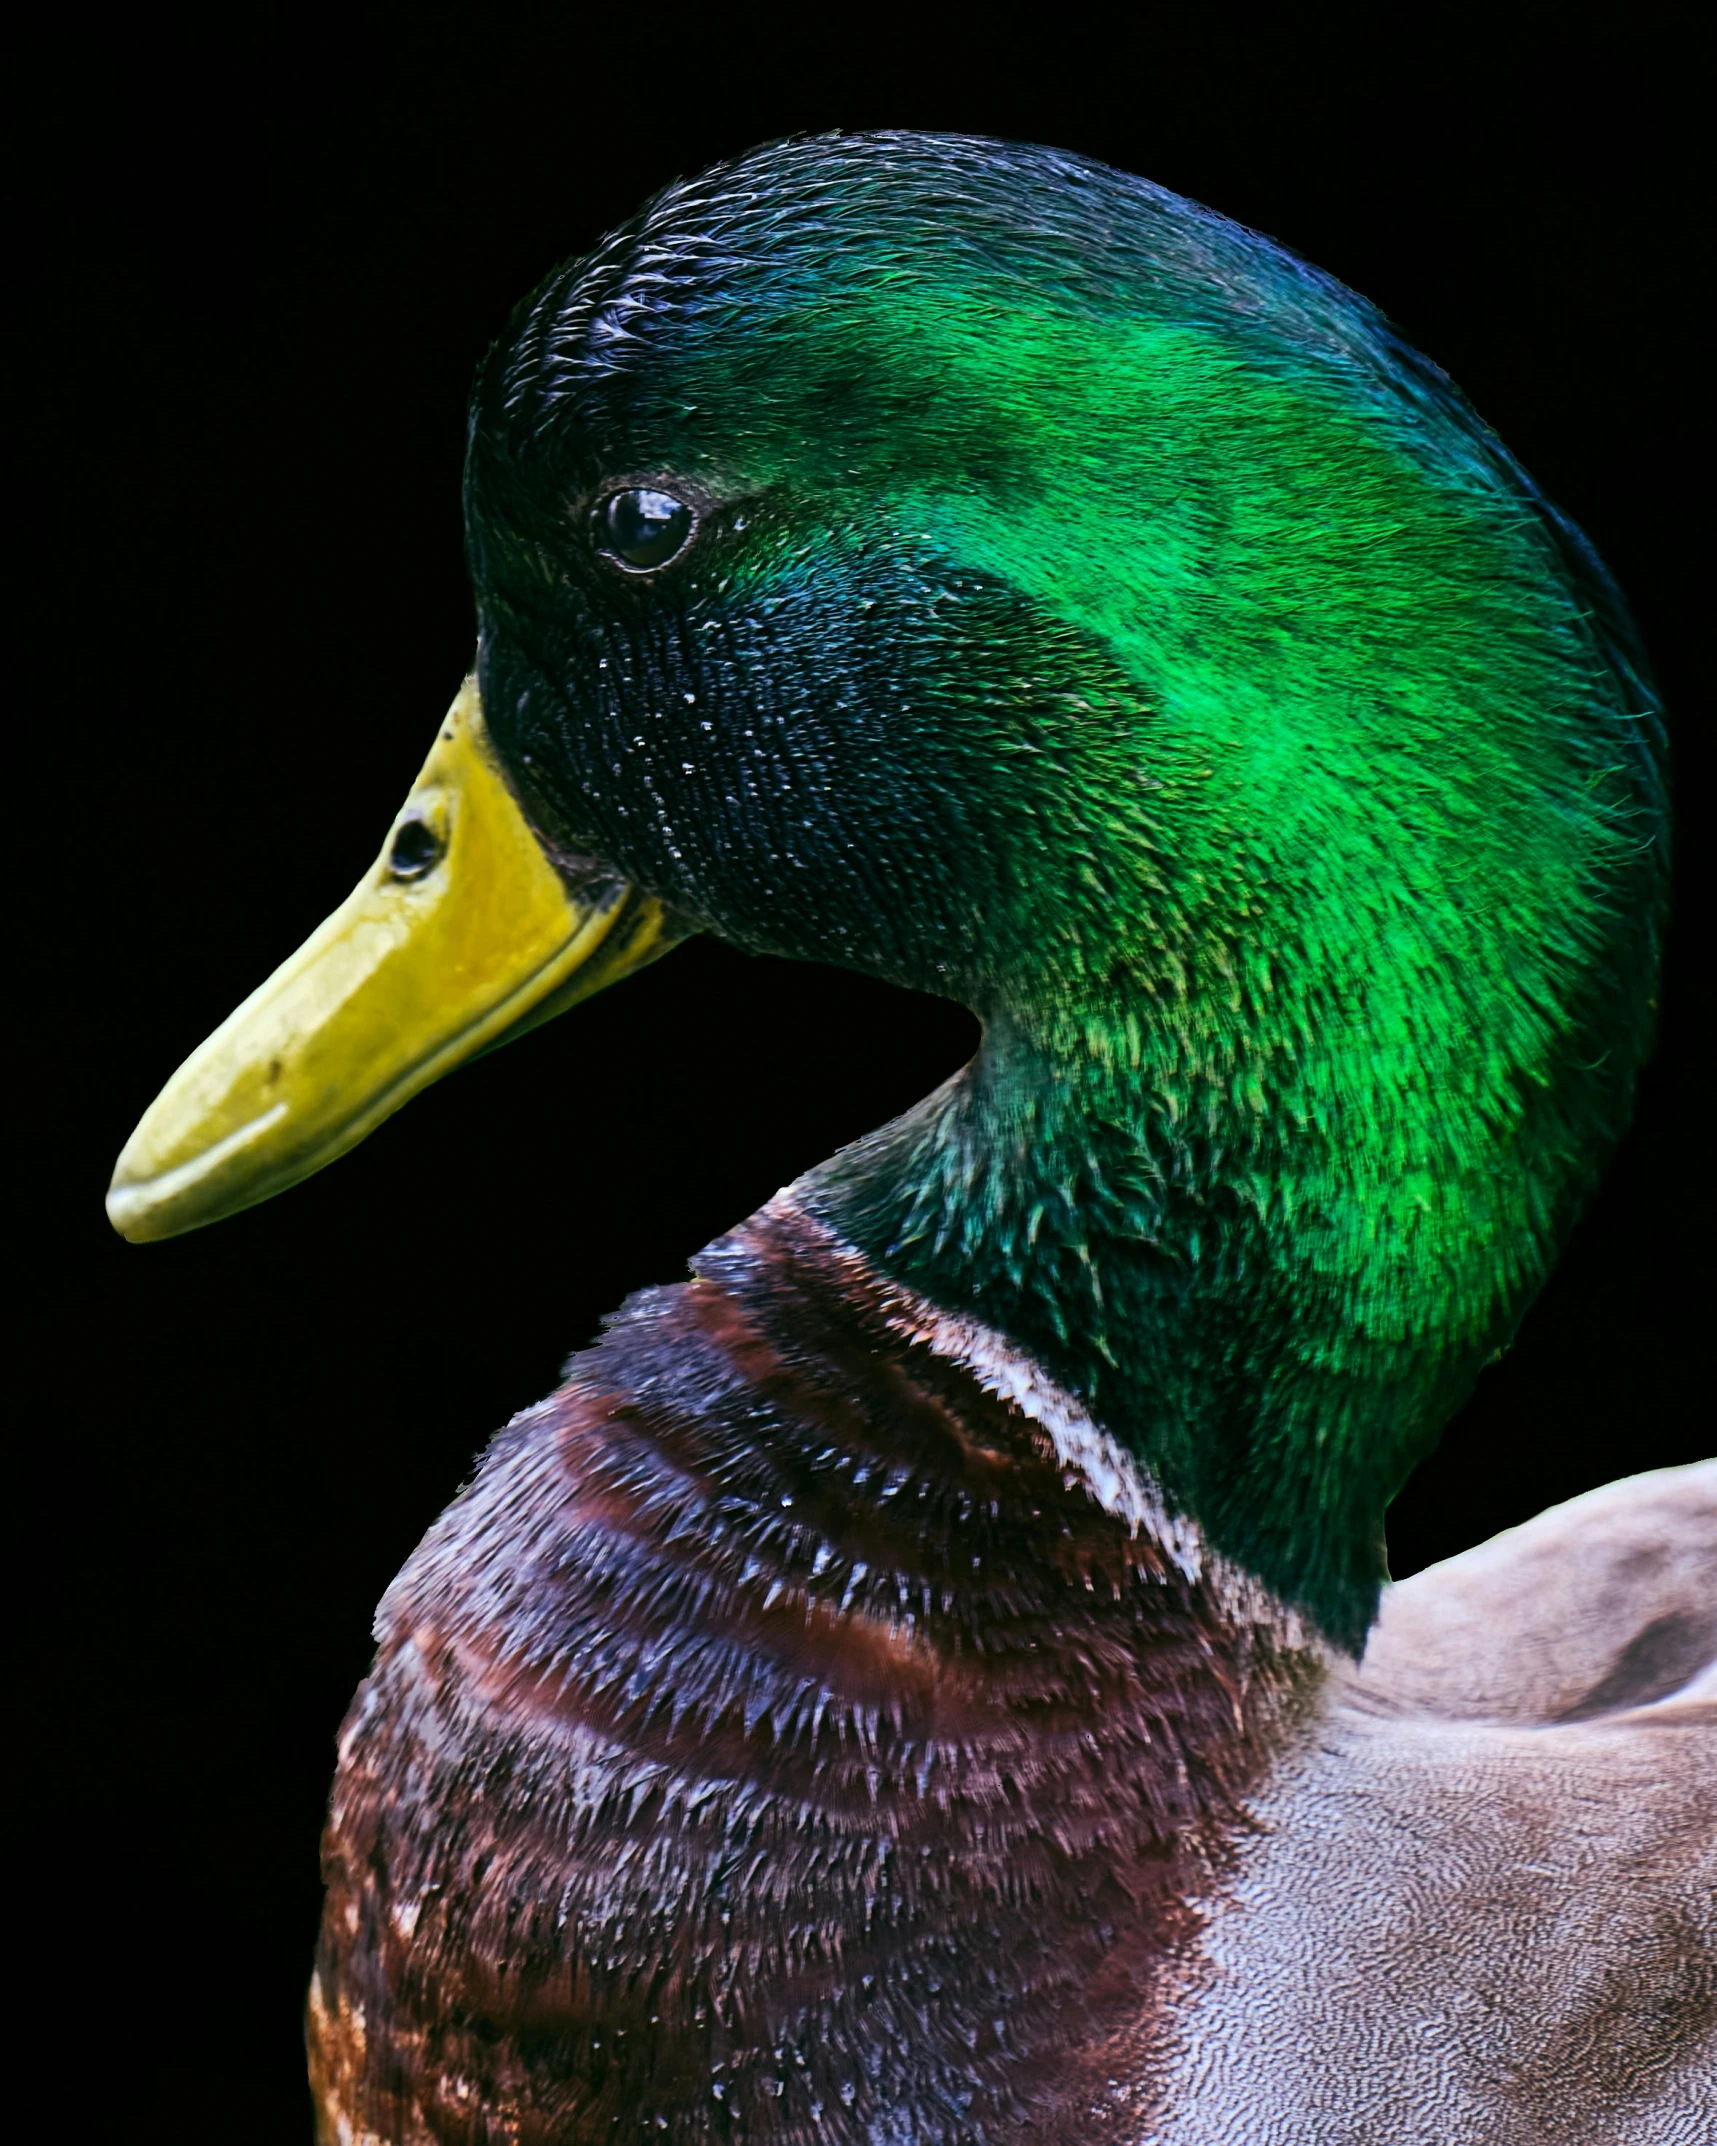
(262, 264)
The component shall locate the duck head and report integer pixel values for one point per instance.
(975, 567)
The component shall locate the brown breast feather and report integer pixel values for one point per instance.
(776, 1741)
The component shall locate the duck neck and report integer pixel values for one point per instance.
(1151, 1238)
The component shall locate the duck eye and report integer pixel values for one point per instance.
(641, 528)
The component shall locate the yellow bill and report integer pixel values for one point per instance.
(461, 936)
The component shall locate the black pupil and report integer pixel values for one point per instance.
(644, 528)
(415, 849)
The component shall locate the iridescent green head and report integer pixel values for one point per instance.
(983, 569)
(1079, 606)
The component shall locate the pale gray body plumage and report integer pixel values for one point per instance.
(1468, 1919)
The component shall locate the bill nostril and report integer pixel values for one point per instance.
(416, 849)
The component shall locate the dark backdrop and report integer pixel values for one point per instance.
(266, 261)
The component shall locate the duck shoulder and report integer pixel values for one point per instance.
(1487, 1883)
(1604, 1604)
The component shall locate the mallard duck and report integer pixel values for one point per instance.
(921, 1678)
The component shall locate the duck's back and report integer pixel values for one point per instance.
(1603, 1604)
(1479, 1911)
